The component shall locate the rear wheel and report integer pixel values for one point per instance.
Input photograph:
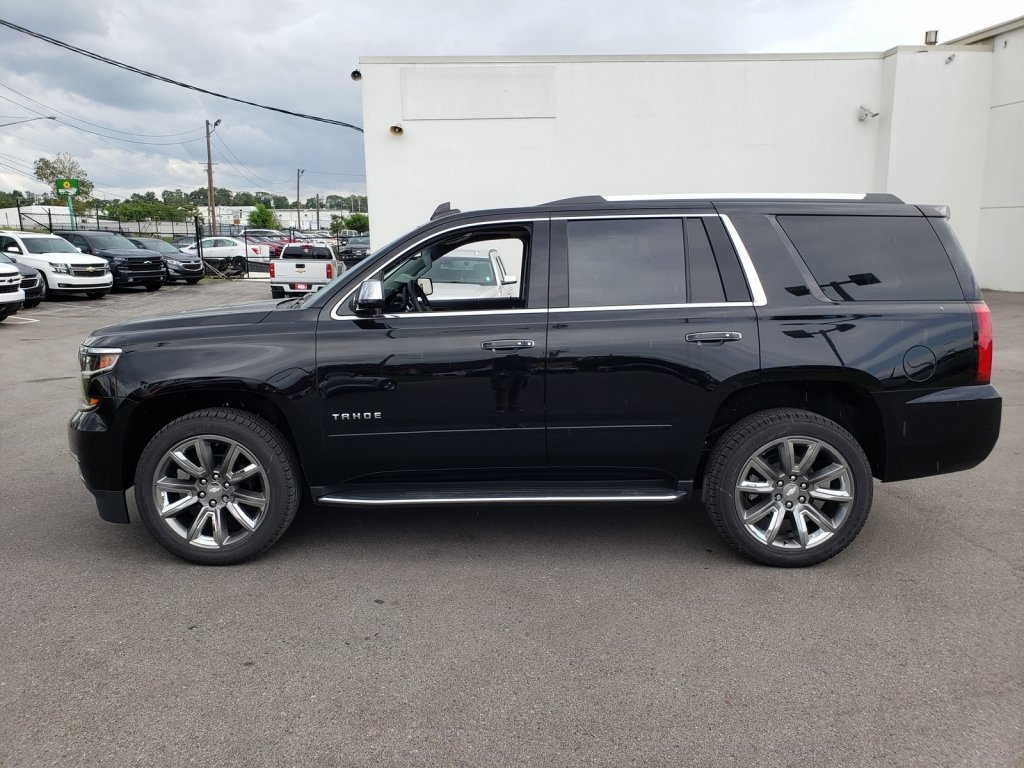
(788, 487)
(217, 486)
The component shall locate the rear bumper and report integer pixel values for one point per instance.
(943, 431)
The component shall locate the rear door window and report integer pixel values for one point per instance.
(874, 258)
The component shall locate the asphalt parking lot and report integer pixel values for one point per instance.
(615, 636)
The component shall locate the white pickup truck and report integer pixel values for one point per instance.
(302, 268)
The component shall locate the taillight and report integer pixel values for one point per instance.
(272, 271)
(330, 271)
(983, 318)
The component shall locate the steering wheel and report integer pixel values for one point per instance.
(415, 298)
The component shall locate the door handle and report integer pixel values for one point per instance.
(505, 344)
(718, 336)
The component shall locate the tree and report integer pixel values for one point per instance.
(244, 198)
(198, 197)
(263, 218)
(280, 201)
(63, 166)
(334, 202)
(222, 196)
(359, 222)
(175, 197)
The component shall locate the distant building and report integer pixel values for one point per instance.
(932, 124)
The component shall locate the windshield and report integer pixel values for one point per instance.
(358, 242)
(110, 240)
(161, 246)
(4, 259)
(48, 245)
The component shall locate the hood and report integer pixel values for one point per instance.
(237, 314)
(25, 269)
(134, 254)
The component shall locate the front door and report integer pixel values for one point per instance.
(447, 381)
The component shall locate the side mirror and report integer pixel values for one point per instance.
(78, 249)
(370, 297)
(426, 285)
(509, 280)
(12, 249)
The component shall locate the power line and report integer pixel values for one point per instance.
(252, 173)
(144, 73)
(50, 110)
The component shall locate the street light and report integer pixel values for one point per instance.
(211, 201)
(29, 120)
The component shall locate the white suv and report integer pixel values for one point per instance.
(11, 296)
(63, 267)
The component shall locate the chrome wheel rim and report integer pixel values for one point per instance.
(795, 493)
(211, 491)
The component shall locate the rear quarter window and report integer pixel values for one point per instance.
(874, 258)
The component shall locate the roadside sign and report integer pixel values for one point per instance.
(66, 186)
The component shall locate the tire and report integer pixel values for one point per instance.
(44, 288)
(156, 287)
(787, 487)
(3, 316)
(186, 459)
(96, 294)
(277, 293)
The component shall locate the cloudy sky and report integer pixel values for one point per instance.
(132, 133)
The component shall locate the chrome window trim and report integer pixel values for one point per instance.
(620, 307)
(746, 263)
(756, 290)
(334, 311)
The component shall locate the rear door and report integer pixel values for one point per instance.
(652, 325)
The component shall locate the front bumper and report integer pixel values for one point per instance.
(126, 278)
(97, 447)
(186, 270)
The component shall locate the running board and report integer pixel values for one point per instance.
(480, 496)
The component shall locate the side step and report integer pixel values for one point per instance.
(398, 495)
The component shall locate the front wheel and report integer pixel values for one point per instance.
(788, 487)
(156, 287)
(217, 486)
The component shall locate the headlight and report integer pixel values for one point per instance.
(173, 262)
(93, 361)
(62, 268)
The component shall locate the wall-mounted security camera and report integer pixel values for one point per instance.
(396, 130)
(863, 113)
(356, 75)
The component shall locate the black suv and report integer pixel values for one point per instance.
(768, 356)
(130, 265)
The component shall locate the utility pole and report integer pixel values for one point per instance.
(318, 210)
(211, 200)
(298, 200)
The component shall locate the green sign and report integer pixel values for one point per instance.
(66, 186)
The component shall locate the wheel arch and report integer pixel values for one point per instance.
(154, 413)
(850, 406)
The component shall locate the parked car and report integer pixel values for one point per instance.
(178, 264)
(12, 297)
(303, 268)
(131, 267)
(470, 274)
(62, 267)
(354, 250)
(31, 282)
(231, 253)
(767, 356)
(183, 240)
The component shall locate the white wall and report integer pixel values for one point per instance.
(1001, 237)
(492, 132)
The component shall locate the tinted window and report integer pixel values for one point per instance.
(626, 262)
(874, 258)
(110, 240)
(705, 281)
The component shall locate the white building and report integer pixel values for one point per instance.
(931, 124)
